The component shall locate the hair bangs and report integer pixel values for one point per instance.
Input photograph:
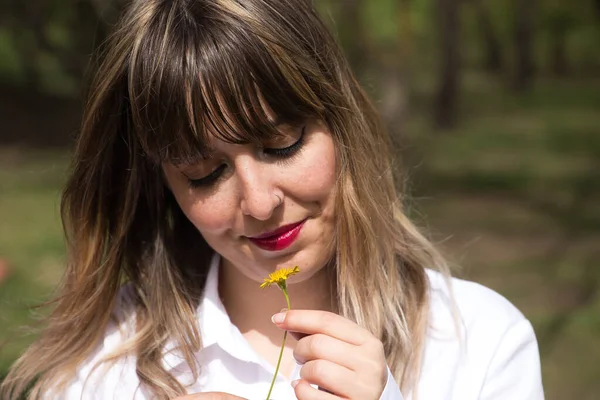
(193, 76)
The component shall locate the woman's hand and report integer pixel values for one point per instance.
(338, 356)
(209, 396)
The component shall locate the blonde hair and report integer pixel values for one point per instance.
(173, 71)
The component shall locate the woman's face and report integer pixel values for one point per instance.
(264, 208)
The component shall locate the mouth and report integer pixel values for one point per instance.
(280, 238)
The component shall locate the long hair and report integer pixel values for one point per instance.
(174, 72)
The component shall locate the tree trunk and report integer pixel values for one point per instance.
(449, 73)
(559, 61)
(353, 36)
(524, 36)
(493, 51)
(30, 18)
(393, 69)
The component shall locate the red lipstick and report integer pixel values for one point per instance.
(280, 238)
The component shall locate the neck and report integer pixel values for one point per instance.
(250, 308)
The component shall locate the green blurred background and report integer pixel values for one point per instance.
(494, 107)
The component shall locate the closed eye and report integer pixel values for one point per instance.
(280, 153)
(285, 152)
(209, 179)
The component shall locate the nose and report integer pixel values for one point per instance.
(258, 194)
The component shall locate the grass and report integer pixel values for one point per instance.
(510, 196)
(30, 238)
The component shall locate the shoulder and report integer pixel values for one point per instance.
(486, 345)
(98, 377)
(475, 306)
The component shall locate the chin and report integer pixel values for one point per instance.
(257, 267)
(308, 268)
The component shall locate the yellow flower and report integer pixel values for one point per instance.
(279, 277)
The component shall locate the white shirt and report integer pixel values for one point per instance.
(494, 358)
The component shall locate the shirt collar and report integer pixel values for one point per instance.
(212, 317)
(216, 329)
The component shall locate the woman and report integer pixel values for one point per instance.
(224, 140)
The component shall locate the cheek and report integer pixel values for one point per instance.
(212, 216)
(209, 215)
(315, 179)
(207, 221)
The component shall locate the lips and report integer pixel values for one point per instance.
(278, 239)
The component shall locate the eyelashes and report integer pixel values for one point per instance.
(287, 152)
(283, 153)
(209, 179)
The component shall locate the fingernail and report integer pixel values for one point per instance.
(278, 318)
(295, 383)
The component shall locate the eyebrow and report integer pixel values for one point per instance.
(194, 159)
(277, 122)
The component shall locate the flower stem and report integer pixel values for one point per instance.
(287, 299)
(278, 364)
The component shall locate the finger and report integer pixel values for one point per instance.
(316, 321)
(298, 335)
(304, 391)
(210, 396)
(333, 378)
(320, 346)
(227, 396)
